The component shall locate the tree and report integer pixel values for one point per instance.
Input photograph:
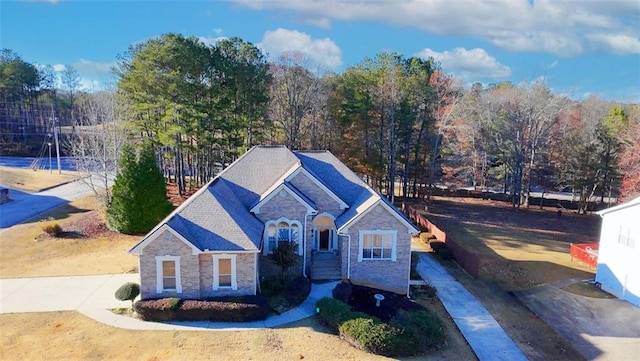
(629, 163)
(139, 195)
(285, 256)
(97, 140)
(128, 292)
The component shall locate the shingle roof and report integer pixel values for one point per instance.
(257, 170)
(217, 220)
(218, 217)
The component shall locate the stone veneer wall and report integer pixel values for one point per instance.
(383, 274)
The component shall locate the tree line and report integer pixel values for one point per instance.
(401, 123)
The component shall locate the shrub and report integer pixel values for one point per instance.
(162, 309)
(422, 329)
(285, 256)
(271, 286)
(437, 245)
(128, 291)
(297, 290)
(444, 253)
(51, 228)
(415, 258)
(335, 312)
(222, 309)
(426, 237)
(373, 336)
(342, 291)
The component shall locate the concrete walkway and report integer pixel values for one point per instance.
(27, 205)
(93, 296)
(485, 336)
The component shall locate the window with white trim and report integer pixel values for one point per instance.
(168, 274)
(282, 230)
(224, 272)
(377, 245)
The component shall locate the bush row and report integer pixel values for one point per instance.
(408, 333)
(222, 309)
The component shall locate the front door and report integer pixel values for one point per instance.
(324, 237)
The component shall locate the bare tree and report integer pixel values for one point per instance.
(293, 91)
(97, 141)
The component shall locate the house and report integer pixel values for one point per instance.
(213, 244)
(618, 269)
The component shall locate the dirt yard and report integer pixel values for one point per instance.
(519, 250)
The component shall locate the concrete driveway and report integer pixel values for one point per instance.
(27, 205)
(600, 329)
(71, 293)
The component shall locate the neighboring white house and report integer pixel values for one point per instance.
(619, 255)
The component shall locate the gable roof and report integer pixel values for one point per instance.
(347, 185)
(214, 219)
(293, 191)
(218, 217)
(631, 203)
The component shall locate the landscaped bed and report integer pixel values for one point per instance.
(395, 326)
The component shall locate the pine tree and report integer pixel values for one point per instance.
(139, 194)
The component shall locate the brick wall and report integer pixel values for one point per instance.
(245, 276)
(383, 274)
(323, 201)
(189, 267)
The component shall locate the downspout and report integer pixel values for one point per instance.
(348, 256)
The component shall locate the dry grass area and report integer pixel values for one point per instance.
(29, 180)
(519, 250)
(72, 336)
(85, 248)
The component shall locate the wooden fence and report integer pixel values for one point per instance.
(470, 262)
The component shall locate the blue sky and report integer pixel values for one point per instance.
(577, 47)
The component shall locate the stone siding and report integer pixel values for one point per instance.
(383, 274)
(245, 276)
(323, 201)
(189, 267)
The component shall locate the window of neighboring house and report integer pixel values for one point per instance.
(625, 237)
(224, 272)
(377, 245)
(168, 274)
(282, 231)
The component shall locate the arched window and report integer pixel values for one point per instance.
(282, 230)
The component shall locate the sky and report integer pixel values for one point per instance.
(578, 48)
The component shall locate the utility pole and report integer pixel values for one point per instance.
(55, 137)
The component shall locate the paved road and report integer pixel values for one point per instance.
(600, 329)
(25, 205)
(483, 333)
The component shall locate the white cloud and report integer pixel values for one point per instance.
(615, 43)
(208, 41)
(550, 26)
(59, 67)
(92, 67)
(470, 64)
(217, 31)
(323, 51)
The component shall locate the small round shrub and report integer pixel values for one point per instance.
(52, 228)
(128, 291)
